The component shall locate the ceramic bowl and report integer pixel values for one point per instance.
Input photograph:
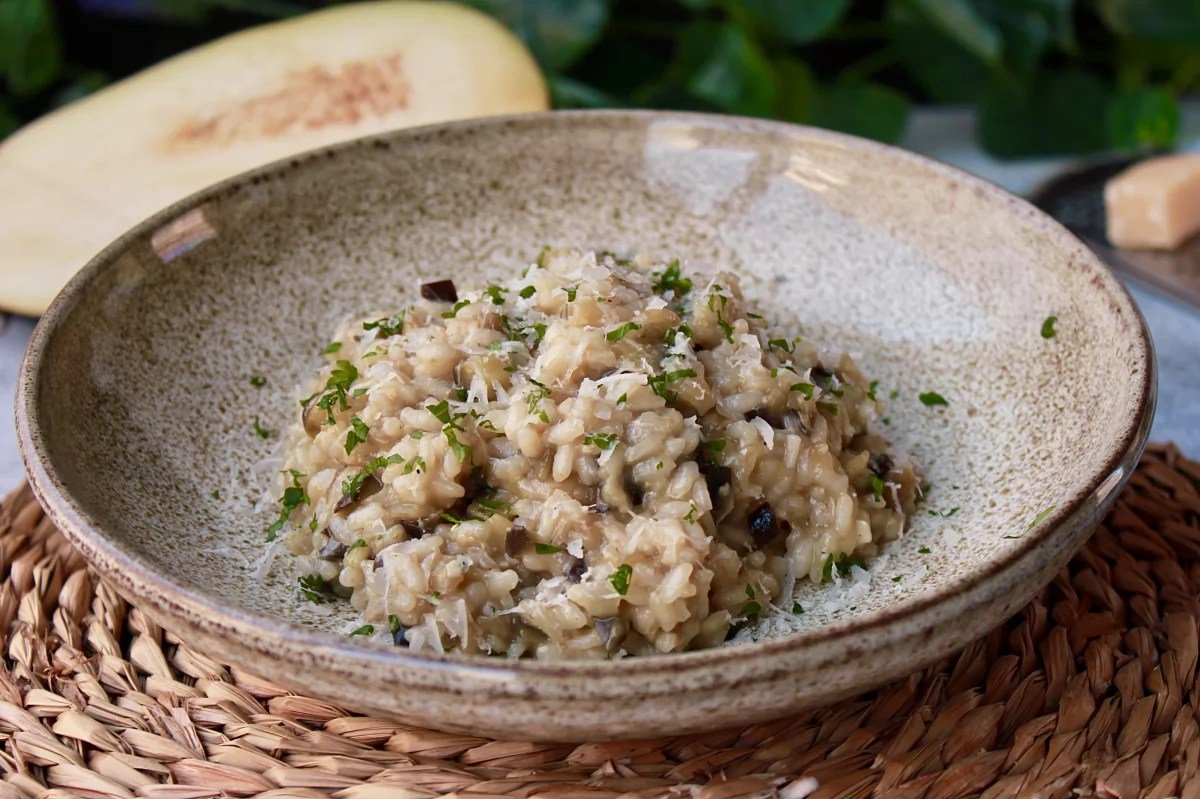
(136, 403)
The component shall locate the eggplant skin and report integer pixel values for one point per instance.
(115, 157)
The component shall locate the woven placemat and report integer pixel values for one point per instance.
(1090, 690)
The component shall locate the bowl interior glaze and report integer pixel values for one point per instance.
(136, 401)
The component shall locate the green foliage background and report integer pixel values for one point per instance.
(1048, 76)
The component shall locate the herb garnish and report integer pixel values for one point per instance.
(394, 623)
(842, 563)
(1041, 517)
(461, 450)
(572, 291)
(366, 629)
(534, 399)
(416, 464)
(356, 545)
(546, 549)
(714, 445)
(659, 383)
(945, 514)
(353, 484)
(672, 279)
(387, 326)
(258, 381)
(620, 578)
(797, 609)
(331, 348)
(871, 389)
(527, 292)
(600, 440)
(315, 590)
(673, 333)
(619, 333)
(1048, 330)
(782, 344)
(262, 431)
(356, 435)
(623, 398)
(293, 497)
(340, 379)
(931, 398)
(751, 608)
(458, 306)
(829, 407)
(806, 389)
(495, 294)
(877, 486)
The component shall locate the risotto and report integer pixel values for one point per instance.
(601, 457)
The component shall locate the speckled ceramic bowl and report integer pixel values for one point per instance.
(136, 403)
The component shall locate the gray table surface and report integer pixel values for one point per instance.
(947, 135)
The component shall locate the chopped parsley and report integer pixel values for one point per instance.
(659, 383)
(495, 294)
(546, 549)
(534, 399)
(1041, 517)
(258, 381)
(215, 494)
(462, 451)
(315, 590)
(877, 486)
(353, 484)
(897, 578)
(262, 431)
(623, 398)
(842, 564)
(491, 506)
(356, 435)
(1048, 330)
(416, 464)
(366, 629)
(691, 514)
(527, 292)
(293, 497)
(356, 545)
(751, 608)
(797, 609)
(394, 624)
(830, 408)
(621, 332)
(806, 389)
(461, 393)
(601, 440)
(440, 411)
(945, 514)
(715, 445)
(331, 348)
(387, 326)
(932, 398)
(782, 344)
(871, 389)
(924, 550)
(717, 303)
(672, 334)
(672, 279)
(572, 291)
(539, 331)
(620, 578)
(458, 306)
(339, 382)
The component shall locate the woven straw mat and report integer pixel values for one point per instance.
(1090, 690)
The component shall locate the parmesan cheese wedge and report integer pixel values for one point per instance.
(1154, 204)
(78, 178)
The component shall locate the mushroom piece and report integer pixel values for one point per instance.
(334, 550)
(439, 291)
(311, 416)
(612, 631)
(516, 540)
(762, 523)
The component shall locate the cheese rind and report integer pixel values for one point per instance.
(1154, 204)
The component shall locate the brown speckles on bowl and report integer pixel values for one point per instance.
(134, 404)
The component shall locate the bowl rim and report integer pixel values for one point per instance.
(149, 584)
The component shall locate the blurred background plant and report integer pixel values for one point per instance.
(1047, 76)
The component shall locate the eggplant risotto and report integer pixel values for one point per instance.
(598, 458)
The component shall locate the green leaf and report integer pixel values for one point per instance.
(720, 64)
(795, 88)
(1153, 19)
(798, 21)
(864, 109)
(1058, 113)
(959, 20)
(938, 63)
(557, 31)
(567, 92)
(1143, 118)
(30, 48)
